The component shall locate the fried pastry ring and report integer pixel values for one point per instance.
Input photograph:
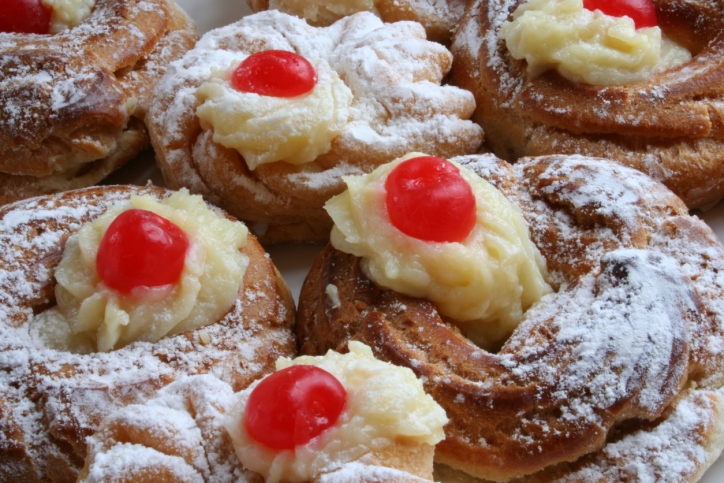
(670, 126)
(438, 18)
(72, 104)
(399, 105)
(617, 376)
(52, 400)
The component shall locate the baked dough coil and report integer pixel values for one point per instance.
(438, 18)
(616, 376)
(670, 126)
(52, 400)
(399, 106)
(72, 104)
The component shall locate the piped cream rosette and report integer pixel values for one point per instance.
(484, 283)
(386, 404)
(102, 319)
(266, 129)
(587, 46)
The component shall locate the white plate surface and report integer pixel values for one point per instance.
(294, 261)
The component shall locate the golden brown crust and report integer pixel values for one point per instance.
(670, 126)
(438, 18)
(72, 104)
(568, 395)
(399, 106)
(51, 401)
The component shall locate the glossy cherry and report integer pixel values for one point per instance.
(141, 249)
(25, 17)
(428, 199)
(642, 12)
(276, 73)
(294, 405)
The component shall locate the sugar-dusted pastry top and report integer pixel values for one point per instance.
(52, 399)
(398, 105)
(194, 429)
(615, 376)
(667, 125)
(484, 282)
(438, 17)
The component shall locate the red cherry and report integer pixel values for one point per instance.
(25, 17)
(428, 199)
(642, 12)
(276, 73)
(141, 249)
(294, 405)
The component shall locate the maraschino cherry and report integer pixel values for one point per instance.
(25, 17)
(293, 406)
(642, 12)
(276, 73)
(427, 198)
(141, 249)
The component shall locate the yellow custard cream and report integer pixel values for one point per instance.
(68, 13)
(101, 319)
(323, 12)
(265, 129)
(385, 404)
(587, 46)
(484, 283)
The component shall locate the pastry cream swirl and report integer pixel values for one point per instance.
(265, 129)
(484, 283)
(210, 282)
(586, 46)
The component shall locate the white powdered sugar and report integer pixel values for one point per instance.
(610, 344)
(679, 449)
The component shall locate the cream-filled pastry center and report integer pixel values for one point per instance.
(484, 282)
(90, 316)
(587, 46)
(266, 129)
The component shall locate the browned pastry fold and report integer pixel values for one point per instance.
(72, 104)
(670, 126)
(616, 376)
(438, 17)
(52, 400)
